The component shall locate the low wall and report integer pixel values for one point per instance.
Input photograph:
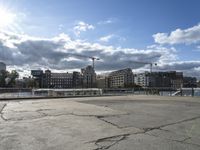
(67, 92)
(14, 90)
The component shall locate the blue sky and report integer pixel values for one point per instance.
(122, 24)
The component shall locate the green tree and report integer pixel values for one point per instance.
(13, 76)
(31, 83)
(3, 76)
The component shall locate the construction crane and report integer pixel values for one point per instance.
(85, 56)
(146, 63)
(93, 59)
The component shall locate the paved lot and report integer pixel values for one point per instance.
(113, 123)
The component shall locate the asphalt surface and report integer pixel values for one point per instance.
(101, 123)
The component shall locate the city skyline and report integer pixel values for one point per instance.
(165, 32)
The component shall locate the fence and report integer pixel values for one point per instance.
(29, 93)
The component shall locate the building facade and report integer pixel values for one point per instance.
(48, 79)
(58, 80)
(102, 82)
(142, 79)
(38, 77)
(189, 82)
(89, 77)
(198, 84)
(121, 78)
(170, 79)
(77, 80)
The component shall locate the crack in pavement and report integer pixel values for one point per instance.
(44, 114)
(101, 118)
(1, 112)
(173, 123)
(186, 139)
(143, 131)
(111, 141)
(107, 142)
(179, 141)
(182, 141)
(98, 116)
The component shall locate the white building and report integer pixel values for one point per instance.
(142, 79)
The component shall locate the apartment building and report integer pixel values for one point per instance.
(121, 78)
(170, 79)
(48, 79)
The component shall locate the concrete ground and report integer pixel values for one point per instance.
(99, 123)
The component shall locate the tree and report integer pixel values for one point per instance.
(7, 79)
(3, 76)
(132, 85)
(31, 83)
(13, 76)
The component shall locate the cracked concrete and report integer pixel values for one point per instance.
(108, 142)
(2, 106)
(103, 123)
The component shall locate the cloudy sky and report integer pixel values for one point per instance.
(54, 34)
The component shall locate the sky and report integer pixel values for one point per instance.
(53, 34)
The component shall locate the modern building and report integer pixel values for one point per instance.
(170, 79)
(89, 77)
(38, 77)
(142, 79)
(189, 82)
(77, 80)
(2, 66)
(121, 78)
(176, 79)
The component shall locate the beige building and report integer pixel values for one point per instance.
(102, 82)
(121, 78)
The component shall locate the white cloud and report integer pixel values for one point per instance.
(189, 68)
(106, 38)
(63, 53)
(180, 65)
(109, 37)
(179, 36)
(82, 27)
(108, 21)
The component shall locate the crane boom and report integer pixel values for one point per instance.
(151, 64)
(85, 56)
